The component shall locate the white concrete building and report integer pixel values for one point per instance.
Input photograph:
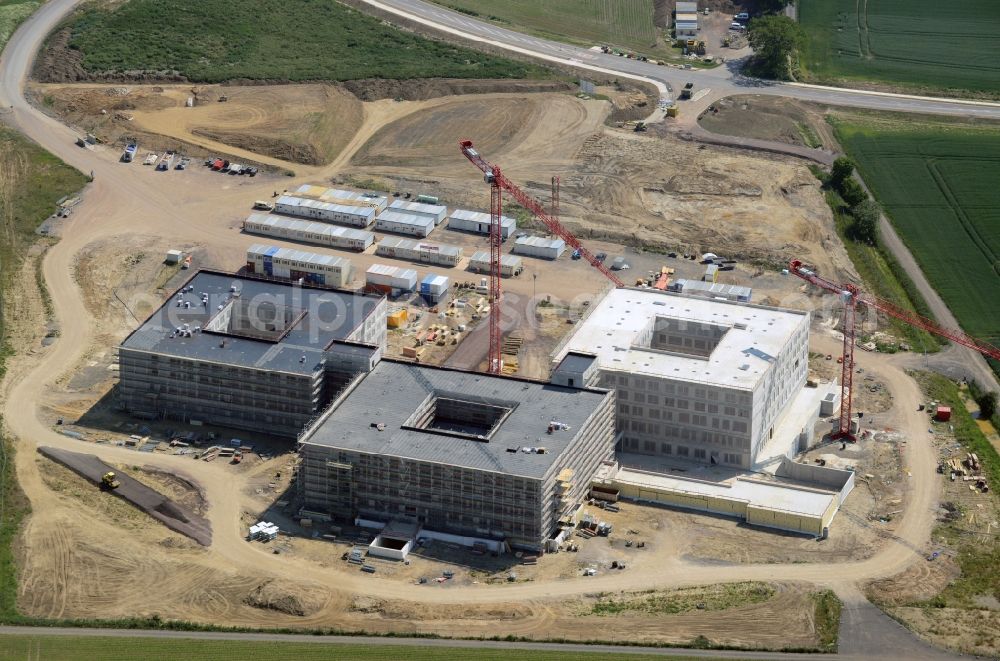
(478, 222)
(400, 222)
(308, 232)
(697, 379)
(510, 265)
(303, 207)
(435, 211)
(418, 251)
(537, 246)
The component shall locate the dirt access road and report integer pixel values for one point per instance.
(123, 200)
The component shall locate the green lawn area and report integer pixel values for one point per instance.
(937, 182)
(296, 40)
(72, 648)
(918, 44)
(624, 23)
(12, 12)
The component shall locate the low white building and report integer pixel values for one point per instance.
(400, 222)
(686, 20)
(435, 211)
(478, 222)
(291, 264)
(537, 246)
(418, 251)
(697, 379)
(306, 231)
(510, 265)
(737, 293)
(347, 197)
(391, 280)
(302, 207)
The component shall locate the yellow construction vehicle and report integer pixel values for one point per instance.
(109, 481)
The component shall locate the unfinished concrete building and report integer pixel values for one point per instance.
(249, 353)
(458, 452)
(698, 379)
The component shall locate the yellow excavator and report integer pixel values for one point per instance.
(109, 481)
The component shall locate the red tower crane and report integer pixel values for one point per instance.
(852, 296)
(498, 182)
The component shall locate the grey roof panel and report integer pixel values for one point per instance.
(393, 391)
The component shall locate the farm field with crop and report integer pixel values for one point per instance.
(918, 45)
(293, 40)
(108, 648)
(623, 23)
(937, 183)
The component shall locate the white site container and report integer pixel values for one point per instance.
(400, 222)
(537, 246)
(312, 268)
(510, 265)
(435, 211)
(303, 207)
(391, 277)
(418, 251)
(306, 231)
(478, 222)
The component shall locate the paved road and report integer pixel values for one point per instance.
(454, 645)
(724, 80)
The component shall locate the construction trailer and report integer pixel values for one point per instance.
(345, 197)
(510, 265)
(711, 273)
(399, 222)
(174, 257)
(390, 280)
(686, 20)
(698, 379)
(434, 288)
(435, 211)
(291, 264)
(537, 246)
(458, 452)
(327, 212)
(304, 231)
(418, 251)
(737, 293)
(246, 352)
(478, 222)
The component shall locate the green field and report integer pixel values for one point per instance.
(938, 184)
(624, 23)
(295, 40)
(12, 12)
(916, 44)
(73, 648)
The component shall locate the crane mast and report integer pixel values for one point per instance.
(852, 296)
(499, 183)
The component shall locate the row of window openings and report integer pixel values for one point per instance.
(682, 450)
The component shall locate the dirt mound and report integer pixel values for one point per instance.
(258, 144)
(144, 498)
(373, 89)
(272, 595)
(58, 63)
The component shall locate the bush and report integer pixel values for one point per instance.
(852, 192)
(866, 218)
(776, 42)
(987, 405)
(842, 169)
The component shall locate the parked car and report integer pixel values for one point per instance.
(601, 256)
(743, 16)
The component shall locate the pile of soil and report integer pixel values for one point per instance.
(373, 89)
(269, 596)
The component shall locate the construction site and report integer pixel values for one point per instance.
(395, 382)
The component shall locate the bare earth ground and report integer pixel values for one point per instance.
(616, 184)
(768, 118)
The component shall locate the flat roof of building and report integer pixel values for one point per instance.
(305, 202)
(686, 7)
(421, 208)
(406, 218)
(364, 197)
(755, 335)
(480, 217)
(394, 391)
(698, 480)
(539, 241)
(410, 244)
(321, 317)
(483, 256)
(711, 288)
(300, 256)
(310, 226)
